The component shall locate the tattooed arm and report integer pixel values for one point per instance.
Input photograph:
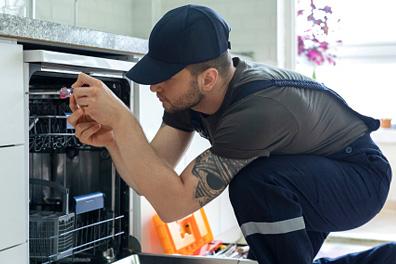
(213, 174)
(142, 167)
(202, 180)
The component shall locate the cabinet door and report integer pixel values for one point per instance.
(13, 197)
(15, 255)
(12, 94)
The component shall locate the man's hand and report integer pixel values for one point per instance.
(98, 101)
(89, 131)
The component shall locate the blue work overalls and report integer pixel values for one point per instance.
(286, 205)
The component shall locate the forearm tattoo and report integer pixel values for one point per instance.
(214, 173)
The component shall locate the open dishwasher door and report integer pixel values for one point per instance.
(175, 259)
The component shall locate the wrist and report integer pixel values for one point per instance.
(112, 146)
(122, 121)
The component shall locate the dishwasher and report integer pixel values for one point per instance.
(80, 210)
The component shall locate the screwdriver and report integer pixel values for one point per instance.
(65, 92)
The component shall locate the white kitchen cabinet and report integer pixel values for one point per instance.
(13, 198)
(15, 255)
(11, 94)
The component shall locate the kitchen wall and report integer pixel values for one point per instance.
(102, 15)
(258, 31)
(253, 23)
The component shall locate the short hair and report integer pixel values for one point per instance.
(221, 64)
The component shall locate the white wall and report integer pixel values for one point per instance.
(103, 15)
(259, 27)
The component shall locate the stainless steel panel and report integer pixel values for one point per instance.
(67, 59)
(173, 259)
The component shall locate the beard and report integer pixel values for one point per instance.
(186, 101)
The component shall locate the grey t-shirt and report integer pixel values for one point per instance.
(276, 120)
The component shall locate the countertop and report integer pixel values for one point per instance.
(36, 31)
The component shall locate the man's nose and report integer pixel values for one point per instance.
(155, 87)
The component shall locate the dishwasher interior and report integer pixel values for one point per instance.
(78, 206)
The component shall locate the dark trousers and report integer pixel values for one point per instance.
(286, 205)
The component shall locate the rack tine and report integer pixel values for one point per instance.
(33, 124)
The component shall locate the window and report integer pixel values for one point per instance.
(366, 61)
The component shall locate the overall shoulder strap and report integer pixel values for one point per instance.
(251, 88)
(255, 86)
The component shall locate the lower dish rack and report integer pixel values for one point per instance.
(54, 236)
(51, 236)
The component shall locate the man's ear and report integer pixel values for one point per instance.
(208, 79)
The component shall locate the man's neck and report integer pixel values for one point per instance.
(213, 101)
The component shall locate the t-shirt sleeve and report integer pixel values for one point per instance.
(254, 128)
(179, 120)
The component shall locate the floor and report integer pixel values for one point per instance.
(336, 249)
(379, 230)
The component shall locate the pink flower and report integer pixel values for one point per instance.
(313, 43)
(324, 45)
(300, 45)
(315, 56)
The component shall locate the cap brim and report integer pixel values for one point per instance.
(151, 71)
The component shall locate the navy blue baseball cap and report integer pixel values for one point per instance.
(185, 35)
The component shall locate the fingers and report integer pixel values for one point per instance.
(79, 92)
(84, 101)
(84, 80)
(72, 104)
(84, 131)
(73, 118)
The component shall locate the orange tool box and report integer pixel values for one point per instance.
(185, 236)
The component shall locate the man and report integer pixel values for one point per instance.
(300, 163)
